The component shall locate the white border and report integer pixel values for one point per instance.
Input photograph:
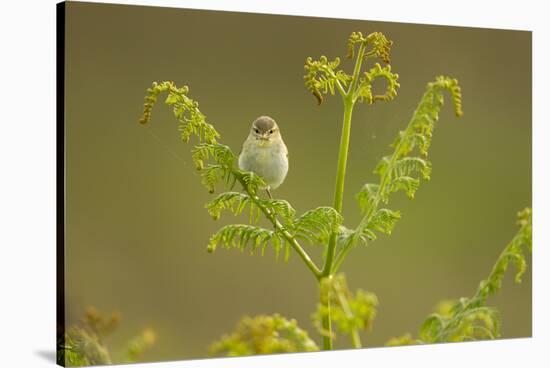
(27, 180)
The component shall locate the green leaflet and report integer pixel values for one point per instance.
(220, 153)
(321, 77)
(317, 225)
(191, 120)
(241, 236)
(232, 201)
(367, 196)
(236, 202)
(384, 220)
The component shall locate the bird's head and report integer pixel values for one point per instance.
(265, 129)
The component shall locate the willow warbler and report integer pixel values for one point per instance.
(264, 153)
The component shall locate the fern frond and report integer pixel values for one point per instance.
(317, 225)
(400, 170)
(384, 220)
(367, 195)
(469, 318)
(279, 207)
(220, 153)
(322, 77)
(408, 166)
(364, 90)
(514, 253)
(407, 184)
(216, 162)
(250, 181)
(264, 335)
(348, 237)
(236, 202)
(241, 236)
(191, 120)
(231, 201)
(379, 45)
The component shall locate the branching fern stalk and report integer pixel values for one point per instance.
(397, 170)
(216, 163)
(401, 170)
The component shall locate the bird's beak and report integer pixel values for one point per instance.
(264, 137)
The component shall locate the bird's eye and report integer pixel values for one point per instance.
(257, 131)
(271, 131)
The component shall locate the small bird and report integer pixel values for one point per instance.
(264, 153)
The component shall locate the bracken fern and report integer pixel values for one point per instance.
(469, 319)
(401, 170)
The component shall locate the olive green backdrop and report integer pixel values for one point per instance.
(136, 225)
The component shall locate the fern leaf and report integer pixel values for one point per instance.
(364, 90)
(279, 207)
(514, 253)
(321, 76)
(317, 225)
(405, 183)
(408, 166)
(232, 201)
(250, 181)
(378, 43)
(384, 220)
(241, 236)
(380, 46)
(469, 318)
(401, 170)
(191, 120)
(220, 153)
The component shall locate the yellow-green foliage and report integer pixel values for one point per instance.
(350, 312)
(217, 163)
(84, 344)
(468, 319)
(264, 335)
(401, 170)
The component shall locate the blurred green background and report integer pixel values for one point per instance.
(136, 225)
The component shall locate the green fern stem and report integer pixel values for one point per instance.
(326, 322)
(340, 179)
(373, 206)
(355, 338)
(343, 154)
(338, 204)
(281, 229)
